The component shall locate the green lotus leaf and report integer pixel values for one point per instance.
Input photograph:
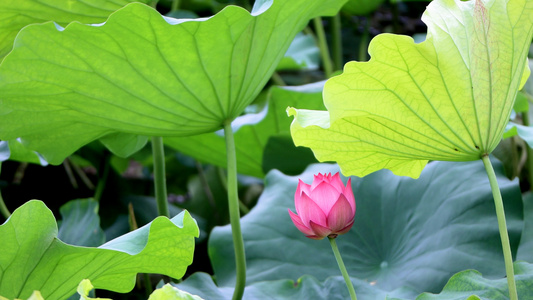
(143, 74)
(80, 223)
(447, 98)
(304, 288)
(33, 258)
(252, 131)
(15, 14)
(407, 232)
(471, 285)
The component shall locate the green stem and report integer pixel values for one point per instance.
(222, 177)
(323, 46)
(363, 44)
(336, 37)
(104, 174)
(160, 184)
(175, 5)
(504, 236)
(3, 208)
(276, 78)
(233, 205)
(338, 257)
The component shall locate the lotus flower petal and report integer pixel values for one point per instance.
(298, 223)
(349, 194)
(324, 195)
(341, 214)
(308, 210)
(320, 231)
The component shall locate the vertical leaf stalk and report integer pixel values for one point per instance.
(342, 267)
(3, 208)
(504, 236)
(160, 183)
(336, 36)
(234, 215)
(323, 46)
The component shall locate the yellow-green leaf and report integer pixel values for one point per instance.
(447, 98)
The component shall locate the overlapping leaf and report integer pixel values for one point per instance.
(414, 233)
(15, 14)
(32, 258)
(143, 74)
(252, 131)
(447, 98)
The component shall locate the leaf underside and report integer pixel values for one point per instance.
(142, 74)
(447, 98)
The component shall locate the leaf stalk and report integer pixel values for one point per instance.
(234, 214)
(323, 46)
(502, 226)
(160, 183)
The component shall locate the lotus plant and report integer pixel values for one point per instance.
(325, 208)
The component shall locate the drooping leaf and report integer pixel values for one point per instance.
(304, 288)
(143, 74)
(124, 145)
(80, 223)
(407, 232)
(33, 258)
(254, 130)
(15, 14)
(447, 98)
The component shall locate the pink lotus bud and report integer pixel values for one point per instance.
(326, 208)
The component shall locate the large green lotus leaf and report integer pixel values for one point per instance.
(304, 288)
(15, 14)
(447, 98)
(414, 233)
(471, 285)
(80, 223)
(525, 249)
(143, 74)
(252, 131)
(33, 258)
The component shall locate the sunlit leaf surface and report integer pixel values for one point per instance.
(143, 74)
(15, 14)
(33, 258)
(447, 98)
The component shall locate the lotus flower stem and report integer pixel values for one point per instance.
(159, 176)
(323, 46)
(338, 257)
(234, 214)
(504, 236)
